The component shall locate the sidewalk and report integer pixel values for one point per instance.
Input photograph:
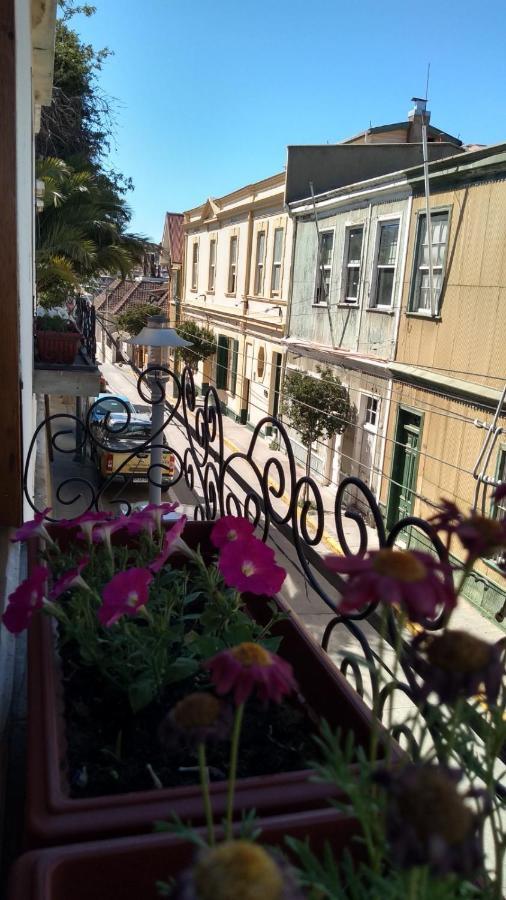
(310, 607)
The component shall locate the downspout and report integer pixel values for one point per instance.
(365, 257)
(245, 304)
(288, 311)
(427, 214)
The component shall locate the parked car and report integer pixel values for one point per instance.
(115, 442)
(110, 403)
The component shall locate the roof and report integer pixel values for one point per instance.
(432, 132)
(173, 238)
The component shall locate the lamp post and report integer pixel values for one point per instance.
(158, 338)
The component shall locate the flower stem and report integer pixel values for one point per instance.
(234, 750)
(204, 783)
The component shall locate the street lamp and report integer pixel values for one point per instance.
(158, 338)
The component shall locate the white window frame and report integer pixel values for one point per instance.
(232, 264)
(390, 220)
(414, 307)
(320, 269)
(259, 274)
(277, 265)
(352, 301)
(371, 426)
(211, 282)
(195, 266)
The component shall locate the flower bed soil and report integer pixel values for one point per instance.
(108, 748)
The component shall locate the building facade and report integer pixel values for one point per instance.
(236, 283)
(446, 434)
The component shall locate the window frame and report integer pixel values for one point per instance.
(212, 266)
(277, 265)
(234, 239)
(353, 302)
(259, 273)
(373, 304)
(420, 216)
(371, 426)
(195, 267)
(319, 267)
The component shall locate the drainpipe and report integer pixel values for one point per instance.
(288, 310)
(427, 214)
(365, 257)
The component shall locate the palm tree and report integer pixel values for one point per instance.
(81, 230)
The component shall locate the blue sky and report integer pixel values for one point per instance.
(211, 93)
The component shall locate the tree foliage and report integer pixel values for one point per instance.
(134, 319)
(317, 407)
(203, 342)
(81, 231)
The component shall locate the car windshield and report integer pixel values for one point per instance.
(113, 404)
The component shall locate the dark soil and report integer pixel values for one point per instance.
(109, 748)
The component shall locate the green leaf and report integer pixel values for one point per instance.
(141, 693)
(182, 668)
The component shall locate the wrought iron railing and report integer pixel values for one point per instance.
(85, 320)
(274, 497)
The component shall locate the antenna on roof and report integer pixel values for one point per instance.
(427, 83)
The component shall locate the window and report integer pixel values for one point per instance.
(261, 364)
(351, 274)
(277, 254)
(371, 412)
(384, 275)
(498, 509)
(195, 266)
(232, 266)
(420, 296)
(212, 265)
(324, 271)
(222, 362)
(259, 265)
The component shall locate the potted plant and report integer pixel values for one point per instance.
(57, 338)
(112, 633)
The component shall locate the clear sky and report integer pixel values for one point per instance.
(210, 92)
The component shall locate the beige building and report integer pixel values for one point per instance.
(450, 365)
(236, 280)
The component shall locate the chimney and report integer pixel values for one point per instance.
(416, 117)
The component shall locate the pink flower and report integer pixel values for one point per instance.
(481, 536)
(70, 579)
(447, 518)
(28, 597)
(34, 528)
(124, 595)
(139, 521)
(249, 565)
(249, 667)
(88, 520)
(171, 544)
(157, 511)
(411, 579)
(231, 528)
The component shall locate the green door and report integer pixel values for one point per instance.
(404, 466)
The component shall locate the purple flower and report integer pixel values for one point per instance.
(458, 664)
(447, 518)
(124, 595)
(157, 511)
(88, 520)
(231, 528)
(34, 528)
(172, 543)
(428, 822)
(238, 869)
(70, 579)
(28, 597)
(481, 537)
(196, 719)
(250, 667)
(410, 579)
(249, 565)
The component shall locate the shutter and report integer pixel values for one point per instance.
(222, 362)
(233, 373)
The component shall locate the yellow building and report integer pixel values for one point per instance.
(446, 434)
(236, 276)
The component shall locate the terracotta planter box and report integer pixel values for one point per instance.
(128, 868)
(58, 347)
(53, 817)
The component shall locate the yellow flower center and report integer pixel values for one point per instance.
(252, 655)
(132, 599)
(399, 564)
(458, 651)
(247, 568)
(232, 535)
(197, 710)
(433, 806)
(489, 529)
(238, 869)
